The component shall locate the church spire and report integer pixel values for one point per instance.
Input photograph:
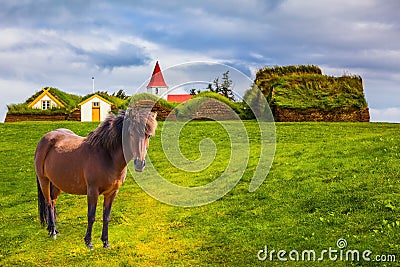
(157, 79)
(157, 85)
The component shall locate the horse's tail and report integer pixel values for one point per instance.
(42, 207)
(42, 149)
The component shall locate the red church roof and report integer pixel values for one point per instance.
(179, 98)
(157, 79)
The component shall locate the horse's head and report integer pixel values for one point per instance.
(142, 126)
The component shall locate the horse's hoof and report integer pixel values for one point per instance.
(88, 243)
(106, 244)
(53, 234)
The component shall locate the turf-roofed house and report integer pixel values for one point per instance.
(95, 107)
(303, 93)
(52, 104)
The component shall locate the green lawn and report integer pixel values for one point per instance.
(328, 181)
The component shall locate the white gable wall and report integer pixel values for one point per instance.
(45, 97)
(86, 109)
(159, 91)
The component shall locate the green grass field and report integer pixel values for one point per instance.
(328, 181)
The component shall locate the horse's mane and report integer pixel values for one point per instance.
(109, 133)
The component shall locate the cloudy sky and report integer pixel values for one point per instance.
(64, 43)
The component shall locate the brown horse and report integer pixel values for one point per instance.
(93, 165)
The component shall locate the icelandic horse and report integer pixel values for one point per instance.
(93, 165)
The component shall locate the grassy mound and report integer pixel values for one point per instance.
(303, 87)
(191, 106)
(145, 96)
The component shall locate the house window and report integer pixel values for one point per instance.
(96, 104)
(46, 104)
(156, 91)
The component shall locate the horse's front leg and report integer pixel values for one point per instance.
(108, 200)
(92, 198)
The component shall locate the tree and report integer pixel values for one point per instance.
(194, 91)
(226, 86)
(121, 94)
(217, 88)
(210, 88)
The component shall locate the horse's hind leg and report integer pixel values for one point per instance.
(51, 220)
(54, 193)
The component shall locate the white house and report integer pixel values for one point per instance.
(45, 101)
(95, 108)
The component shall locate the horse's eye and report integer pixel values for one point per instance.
(148, 136)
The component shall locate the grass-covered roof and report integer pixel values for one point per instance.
(302, 87)
(145, 96)
(118, 102)
(188, 108)
(69, 101)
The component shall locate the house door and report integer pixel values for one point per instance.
(96, 111)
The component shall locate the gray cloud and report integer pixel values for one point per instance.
(124, 55)
(44, 13)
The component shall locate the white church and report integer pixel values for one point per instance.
(158, 87)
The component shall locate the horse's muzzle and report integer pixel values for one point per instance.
(139, 165)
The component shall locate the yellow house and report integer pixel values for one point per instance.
(95, 108)
(45, 101)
